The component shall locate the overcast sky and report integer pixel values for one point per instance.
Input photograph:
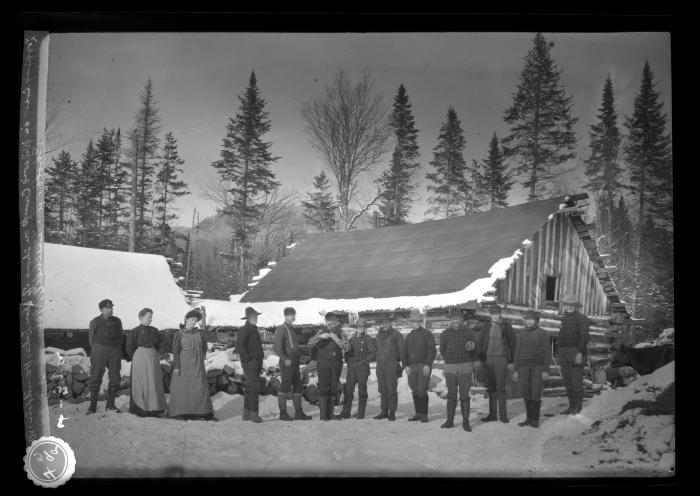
(97, 79)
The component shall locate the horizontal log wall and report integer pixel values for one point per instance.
(556, 251)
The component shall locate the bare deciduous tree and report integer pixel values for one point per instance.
(347, 125)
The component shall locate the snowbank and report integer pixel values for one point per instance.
(312, 311)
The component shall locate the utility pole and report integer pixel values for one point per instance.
(189, 249)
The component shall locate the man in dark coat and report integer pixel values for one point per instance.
(498, 344)
(250, 350)
(389, 345)
(418, 355)
(327, 347)
(363, 350)
(471, 322)
(572, 349)
(459, 347)
(105, 337)
(286, 346)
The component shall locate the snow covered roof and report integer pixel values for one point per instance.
(77, 279)
(429, 264)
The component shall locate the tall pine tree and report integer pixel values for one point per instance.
(541, 124)
(88, 191)
(61, 179)
(448, 179)
(395, 183)
(245, 165)
(648, 156)
(320, 208)
(143, 152)
(602, 166)
(170, 188)
(496, 183)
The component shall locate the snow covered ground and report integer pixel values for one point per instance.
(122, 445)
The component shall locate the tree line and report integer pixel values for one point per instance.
(117, 199)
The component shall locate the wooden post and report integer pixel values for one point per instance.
(35, 64)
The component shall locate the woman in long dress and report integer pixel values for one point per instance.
(189, 391)
(143, 345)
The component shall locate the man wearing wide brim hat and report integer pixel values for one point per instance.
(573, 346)
(533, 356)
(362, 351)
(286, 346)
(105, 337)
(249, 348)
(418, 355)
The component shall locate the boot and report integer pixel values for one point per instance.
(93, 402)
(502, 411)
(111, 396)
(246, 407)
(424, 409)
(464, 405)
(282, 401)
(492, 409)
(451, 408)
(361, 406)
(347, 407)
(323, 408)
(578, 403)
(393, 404)
(417, 406)
(384, 413)
(528, 410)
(298, 411)
(254, 417)
(568, 411)
(331, 408)
(535, 406)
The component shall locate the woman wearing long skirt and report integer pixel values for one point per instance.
(143, 345)
(189, 391)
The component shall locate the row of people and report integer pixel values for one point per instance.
(467, 347)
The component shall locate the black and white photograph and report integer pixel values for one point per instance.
(356, 254)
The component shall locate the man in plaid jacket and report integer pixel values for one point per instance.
(363, 349)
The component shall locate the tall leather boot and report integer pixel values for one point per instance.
(528, 410)
(254, 401)
(578, 403)
(570, 395)
(535, 406)
(502, 410)
(111, 396)
(93, 402)
(298, 411)
(393, 405)
(417, 406)
(246, 407)
(323, 408)
(361, 407)
(464, 405)
(451, 408)
(424, 409)
(492, 409)
(347, 406)
(282, 401)
(384, 413)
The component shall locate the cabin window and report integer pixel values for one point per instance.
(551, 286)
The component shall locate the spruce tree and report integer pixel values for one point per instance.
(170, 188)
(602, 166)
(61, 179)
(648, 157)
(448, 178)
(102, 181)
(479, 194)
(245, 165)
(541, 124)
(395, 183)
(118, 198)
(320, 207)
(88, 193)
(143, 152)
(496, 181)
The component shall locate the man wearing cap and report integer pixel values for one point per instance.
(105, 337)
(459, 347)
(417, 357)
(471, 322)
(572, 345)
(249, 348)
(363, 349)
(389, 345)
(497, 348)
(286, 346)
(533, 356)
(327, 347)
